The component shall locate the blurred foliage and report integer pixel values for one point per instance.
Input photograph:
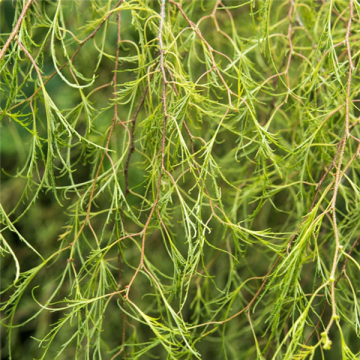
(180, 179)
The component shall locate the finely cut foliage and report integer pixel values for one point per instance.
(180, 179)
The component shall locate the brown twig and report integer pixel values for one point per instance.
(338, 177)
(248, 306)
(115, 118)
(82, 43)
(16, 28)
(163, 140)
(132, 139)
(209, 48)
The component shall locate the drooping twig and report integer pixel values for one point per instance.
(132, 140)
(154, 206)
